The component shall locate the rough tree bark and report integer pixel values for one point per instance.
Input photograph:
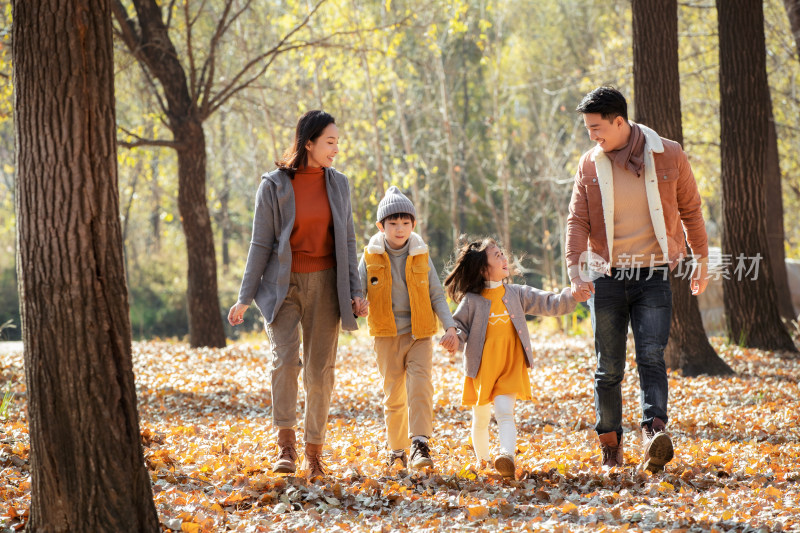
(775, 235)
(658, 105)
(752, 316)
(86, 459)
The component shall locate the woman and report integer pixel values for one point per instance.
(303, 275)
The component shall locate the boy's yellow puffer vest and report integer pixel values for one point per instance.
(379, 289)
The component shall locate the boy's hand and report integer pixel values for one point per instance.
(360, 306)
(449, 340)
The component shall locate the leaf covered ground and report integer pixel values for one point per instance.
(208, 443)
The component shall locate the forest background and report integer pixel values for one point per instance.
(467, 105)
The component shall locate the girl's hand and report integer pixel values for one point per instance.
(449, 340)
(236, 314)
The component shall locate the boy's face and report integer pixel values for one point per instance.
(397, 232)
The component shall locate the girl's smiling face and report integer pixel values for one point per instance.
(497, 268)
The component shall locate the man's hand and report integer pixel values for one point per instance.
(581, 290)
(699, 280)
(449, 340)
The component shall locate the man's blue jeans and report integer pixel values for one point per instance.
(643, 298)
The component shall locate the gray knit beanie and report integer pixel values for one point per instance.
(395, 202)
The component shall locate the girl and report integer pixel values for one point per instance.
(303, 275)
(491, 321)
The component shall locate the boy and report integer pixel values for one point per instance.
(404, 291)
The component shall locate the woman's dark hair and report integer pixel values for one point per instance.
(467, 272)
(607, 101)
(309, 128)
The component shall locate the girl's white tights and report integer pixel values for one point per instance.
(504, 413)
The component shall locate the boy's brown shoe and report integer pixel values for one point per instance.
(313, 461)
(287, 453)
(611, 446)
(657, 446)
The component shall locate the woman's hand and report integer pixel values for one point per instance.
(236, 314)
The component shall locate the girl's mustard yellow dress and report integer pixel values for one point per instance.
(503, 369)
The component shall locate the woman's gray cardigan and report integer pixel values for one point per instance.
(472, 319)
(269, 262)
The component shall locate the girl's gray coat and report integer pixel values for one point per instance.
(472, 319)
(269, 262)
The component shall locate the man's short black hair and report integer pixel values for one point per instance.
(399, 216)
(607, 101)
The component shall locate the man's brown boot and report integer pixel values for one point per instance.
(611, 446)
(313, 461)
(287, 453)
(657, 446)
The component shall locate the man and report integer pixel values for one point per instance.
(634, 201)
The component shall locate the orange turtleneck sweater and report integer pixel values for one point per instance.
(311, 240)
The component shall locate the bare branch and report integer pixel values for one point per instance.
(235, 86)
(148, 76)
(209, 66)
(127, 32)
(228, 91)
(190, 49)
(170, 8)
(147, 142)
(127, 29)
(141, 141)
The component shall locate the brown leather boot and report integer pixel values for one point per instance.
(287, 453)
(611, 446)
(657, 446)
(313, 461)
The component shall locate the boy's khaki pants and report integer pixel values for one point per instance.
(406, 365)
(311, 305)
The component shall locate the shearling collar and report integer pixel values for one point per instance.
(416, 246)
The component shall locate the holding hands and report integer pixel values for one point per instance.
(449, 340)
(360, 306)
(582, 290)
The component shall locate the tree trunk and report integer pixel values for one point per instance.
(750, 309)
(156, 50)
(155, 212)
(775, 233)
(658, 105)
(793, 11)
(202, 302)
(224, 219)
(87, 467)
(452, 176)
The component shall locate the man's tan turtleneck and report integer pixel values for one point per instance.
(635, 243)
